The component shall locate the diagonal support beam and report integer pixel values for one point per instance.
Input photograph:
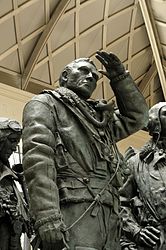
(148, 78)
(154, 45)
(59, 10)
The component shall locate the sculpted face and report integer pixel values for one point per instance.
(82, 79)
(163, 121)
(8, 146)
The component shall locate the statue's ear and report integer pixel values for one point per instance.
(64, 76)
(63, 80)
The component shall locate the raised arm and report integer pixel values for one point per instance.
(132, 113)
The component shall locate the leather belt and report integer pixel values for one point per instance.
(82, 182)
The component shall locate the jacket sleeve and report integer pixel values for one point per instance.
(132, 112)
(38, 159)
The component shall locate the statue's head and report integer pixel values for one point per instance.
(10, 134)
(80, 76)
(157, 120)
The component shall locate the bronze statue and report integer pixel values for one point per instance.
(143, 196)
(70, 158)
(14, 218)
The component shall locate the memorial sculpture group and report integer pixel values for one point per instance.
(75, 195)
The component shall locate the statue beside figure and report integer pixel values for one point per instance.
(70, 158)
(14, 215)
(143, 196)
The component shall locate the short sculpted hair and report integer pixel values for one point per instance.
(68, 69)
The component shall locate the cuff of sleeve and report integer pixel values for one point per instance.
(120, 77)
(41, 222)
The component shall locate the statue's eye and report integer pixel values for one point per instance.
(84, 70)
(95, 76)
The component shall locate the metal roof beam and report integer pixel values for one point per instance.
(59, 10)
(148, 78)
(154, 45)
